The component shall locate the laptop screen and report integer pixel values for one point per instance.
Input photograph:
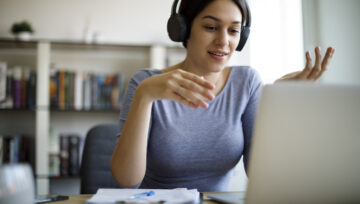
(306, 145)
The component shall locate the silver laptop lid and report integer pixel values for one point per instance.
(306, 145)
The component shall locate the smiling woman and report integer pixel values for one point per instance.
(188, 125)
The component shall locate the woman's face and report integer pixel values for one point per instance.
(215, 34)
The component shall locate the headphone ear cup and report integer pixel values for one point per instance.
(177, 27)
(245, 32)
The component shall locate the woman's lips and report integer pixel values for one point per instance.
(218, 55)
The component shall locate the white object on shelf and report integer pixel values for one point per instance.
(24, 36)
(157, 57)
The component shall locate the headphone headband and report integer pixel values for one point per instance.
(174, 6)
(248, 16)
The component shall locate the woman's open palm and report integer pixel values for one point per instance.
(311, 72)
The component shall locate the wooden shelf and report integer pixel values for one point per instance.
(58, 177)
(86, 111)
(11, 43)
(17, 110)
(74, 44)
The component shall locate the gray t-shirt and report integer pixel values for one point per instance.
(198, 148)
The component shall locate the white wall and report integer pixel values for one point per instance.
(335, 23)
(124, 21)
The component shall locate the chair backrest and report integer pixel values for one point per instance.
(95, 166)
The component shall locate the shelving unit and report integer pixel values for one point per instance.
(40, 55)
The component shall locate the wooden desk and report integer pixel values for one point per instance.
(75, 199)
(80, 199)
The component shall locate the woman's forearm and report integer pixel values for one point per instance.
(128, 161)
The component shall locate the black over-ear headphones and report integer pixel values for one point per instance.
(177, 27)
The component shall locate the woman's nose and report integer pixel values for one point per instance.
(222, 38)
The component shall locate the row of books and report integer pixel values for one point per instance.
(85, 91)
(16, 149)
(65, 155)
(64, 159)
(17, 87)
(68, 90)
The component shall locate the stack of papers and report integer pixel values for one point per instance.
(113, 196)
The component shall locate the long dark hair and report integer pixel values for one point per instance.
(191, 8)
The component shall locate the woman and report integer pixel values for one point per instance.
(189, 124)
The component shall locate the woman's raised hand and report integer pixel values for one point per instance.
(178, 85)
(311, 72)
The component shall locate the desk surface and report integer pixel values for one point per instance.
(80, 199)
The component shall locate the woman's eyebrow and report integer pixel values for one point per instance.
(216, 19)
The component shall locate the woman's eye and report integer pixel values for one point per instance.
(210, 28)
(234, 31)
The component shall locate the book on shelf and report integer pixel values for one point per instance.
(8, 102)
(17, 87)
(85, 91)
(64, 154)
(3, 68)
(20, 88)
(54, 153)
(16, 149)
(31, 91)
(74, 142)
(78, 86)
(54, 165)
(61, 90)
(53, 87)
(1, 150)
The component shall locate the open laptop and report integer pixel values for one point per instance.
(305, 146)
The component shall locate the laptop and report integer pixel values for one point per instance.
(305, 146)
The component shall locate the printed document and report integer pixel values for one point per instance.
(171, 196)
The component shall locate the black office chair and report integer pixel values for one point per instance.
(95, 166)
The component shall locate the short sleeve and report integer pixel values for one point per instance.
(125, 105)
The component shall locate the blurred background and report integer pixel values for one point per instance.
(112, 39)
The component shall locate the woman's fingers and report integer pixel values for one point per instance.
(306, 71)
(312, 72)
(194, 87)
(197, 79)
(190, 98)
(317, 67)
(194, 98)
(328, 55)
(182, 100)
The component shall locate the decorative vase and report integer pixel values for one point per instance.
(23, 36)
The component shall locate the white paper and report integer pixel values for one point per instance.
(111, 196)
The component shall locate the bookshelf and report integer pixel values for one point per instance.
(41, 56)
